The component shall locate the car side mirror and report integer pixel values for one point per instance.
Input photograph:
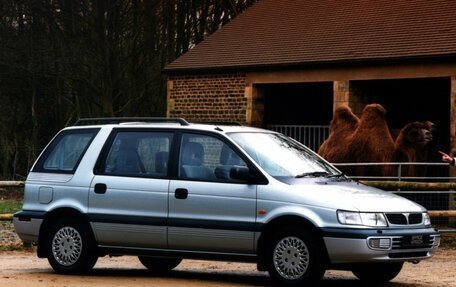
(240, 173)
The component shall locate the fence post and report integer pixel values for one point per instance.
(399, 173)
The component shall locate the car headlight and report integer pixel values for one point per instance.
(426, 219)
(372, 219)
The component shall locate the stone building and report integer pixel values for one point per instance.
(291, 62)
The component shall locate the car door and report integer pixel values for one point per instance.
(128, 197)
(208, 210)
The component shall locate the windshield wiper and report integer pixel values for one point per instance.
(338, 177)
(312, 174)
(335, 175)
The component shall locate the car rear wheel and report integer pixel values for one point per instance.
(295, 258)
(377, 272)
(159, 264)
(70, 247)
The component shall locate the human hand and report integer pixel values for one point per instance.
(445, 157)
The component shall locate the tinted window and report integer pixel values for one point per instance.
(138, 154)
(65, 152)
(207, 158)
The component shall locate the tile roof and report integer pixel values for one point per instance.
(303, 32)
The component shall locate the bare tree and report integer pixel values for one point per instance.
(65, 59)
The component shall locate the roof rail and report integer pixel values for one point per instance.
(108, 121)
(222, 123)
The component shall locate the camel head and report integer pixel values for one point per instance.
(417, 134)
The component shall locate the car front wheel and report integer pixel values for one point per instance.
(70, 247)
(295, 258)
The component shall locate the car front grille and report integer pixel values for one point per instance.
(415, 218)
(404, 218)
(414, 242)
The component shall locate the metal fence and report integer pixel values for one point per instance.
(399, 170)
(311, 136)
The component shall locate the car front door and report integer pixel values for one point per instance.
(208, 210)
(128, 197)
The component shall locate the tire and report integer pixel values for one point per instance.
(377, 272)
(295, 258)
(71, 247)
(159, 264)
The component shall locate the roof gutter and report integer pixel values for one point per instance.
(428, 59)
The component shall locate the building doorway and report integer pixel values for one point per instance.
(299, 110)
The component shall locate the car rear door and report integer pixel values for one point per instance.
(128, 197)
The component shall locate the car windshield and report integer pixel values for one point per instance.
(281, 156)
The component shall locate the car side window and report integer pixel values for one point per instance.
(207, 158)
(65, 151)
(138, 154)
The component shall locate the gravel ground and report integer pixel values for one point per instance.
(8, 238)
(20, 268)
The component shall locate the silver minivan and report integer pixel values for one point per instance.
(164, 190)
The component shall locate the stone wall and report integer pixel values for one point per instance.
(208, 98)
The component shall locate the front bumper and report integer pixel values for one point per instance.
(349, 245)
(27, 225)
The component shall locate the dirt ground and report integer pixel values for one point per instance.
(22, 268)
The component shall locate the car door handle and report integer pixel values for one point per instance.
(100, 188)
(181, 193)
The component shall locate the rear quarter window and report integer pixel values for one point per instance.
(65, 151)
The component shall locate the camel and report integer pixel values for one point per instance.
(368, 139)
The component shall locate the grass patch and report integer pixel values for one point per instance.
(10, 207)
(17, 248)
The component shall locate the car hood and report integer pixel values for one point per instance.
(351, 195)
